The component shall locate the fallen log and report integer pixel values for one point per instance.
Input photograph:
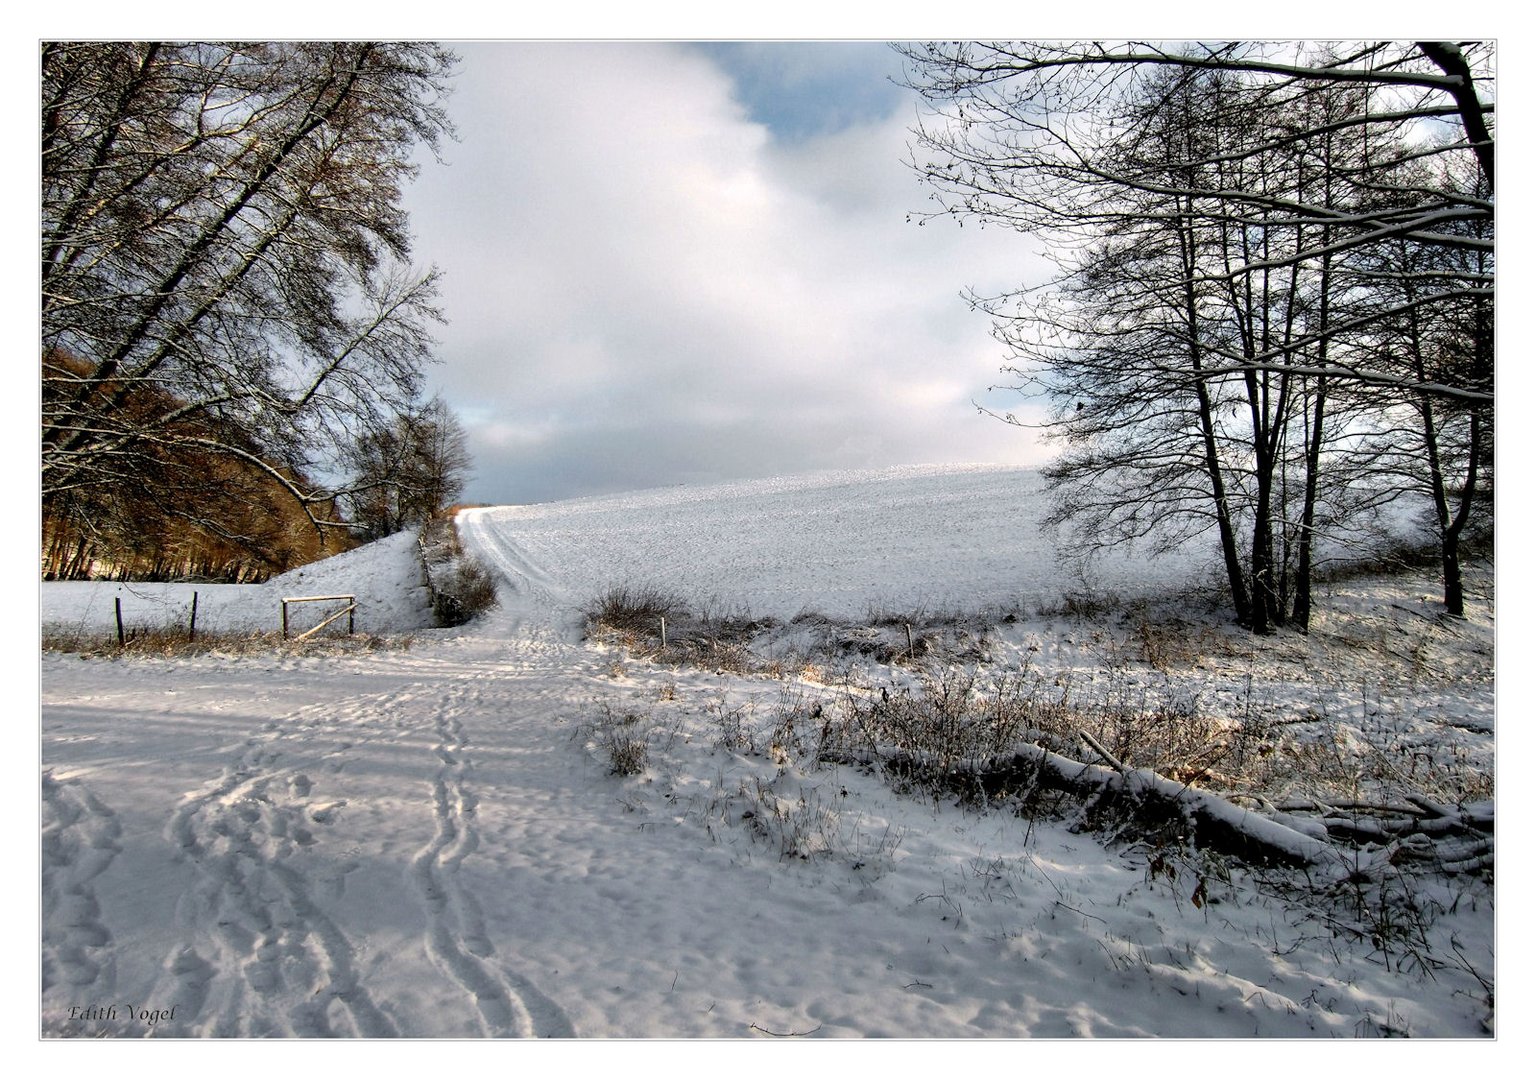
(1213, 822)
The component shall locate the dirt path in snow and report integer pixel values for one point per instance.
(280, 915)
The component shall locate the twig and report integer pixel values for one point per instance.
(786, 1034)
(1084, 914)
(1317, 806)
(1420, 614)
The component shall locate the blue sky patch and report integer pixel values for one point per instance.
(802, 89)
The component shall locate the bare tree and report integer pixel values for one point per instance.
(222, 225)
(1025, 134)
(441, 459)
(408, 473)
(1433, 446)
(1211, 209)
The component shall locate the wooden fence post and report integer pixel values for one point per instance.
(192, 625)
(117, 602)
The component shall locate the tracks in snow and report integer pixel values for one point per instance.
(456, 938)
(261, 954)
(277, 964)
(79, 841)
(495, 547)
(260, 948)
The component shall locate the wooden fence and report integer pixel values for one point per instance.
(349, 611)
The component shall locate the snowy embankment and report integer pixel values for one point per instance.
(431, 841)
(386, 578)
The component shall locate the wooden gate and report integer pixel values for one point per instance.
(349, 611)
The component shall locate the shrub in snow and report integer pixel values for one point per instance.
(461, 586)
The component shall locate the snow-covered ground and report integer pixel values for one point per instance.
(429, 841)
(840, 544)
(386, 578)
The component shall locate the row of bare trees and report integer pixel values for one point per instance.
(1273, 312)
(226, 286)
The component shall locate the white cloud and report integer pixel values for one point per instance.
(645, 287)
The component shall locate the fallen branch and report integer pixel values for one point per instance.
(1430, 808)
(786, 1034)
(1369, 830)
(1215, 823)
(1098, 748)
(1306, 806)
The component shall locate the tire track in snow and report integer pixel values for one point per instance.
(495, 547)
(277, 964)
(507, 1004)
(79, 841)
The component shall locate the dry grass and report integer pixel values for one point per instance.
(633, 611)
(959, 719)
(945, 701)
(173, 643)
(624, 739)
(959, 722)
(462, 592)
(658, 626)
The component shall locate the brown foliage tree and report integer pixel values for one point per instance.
(225, 258)
(186, 509)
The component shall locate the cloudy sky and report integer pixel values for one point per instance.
(678, 263)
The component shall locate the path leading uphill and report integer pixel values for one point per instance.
(405, 844)
(422, 842)
(308, 849)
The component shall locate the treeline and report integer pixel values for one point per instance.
(233, 335)
(1273, 308)
(203, 505)
(188, 510)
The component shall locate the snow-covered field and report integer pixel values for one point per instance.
(429, 841)
(839, 544)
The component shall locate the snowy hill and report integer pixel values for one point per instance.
(385, 576)
(840, 544)
(437, 840)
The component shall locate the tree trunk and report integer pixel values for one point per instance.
(1263, 560)
(1302, 614)
(1450, 568)
(1450, 545)
(1229, 556)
